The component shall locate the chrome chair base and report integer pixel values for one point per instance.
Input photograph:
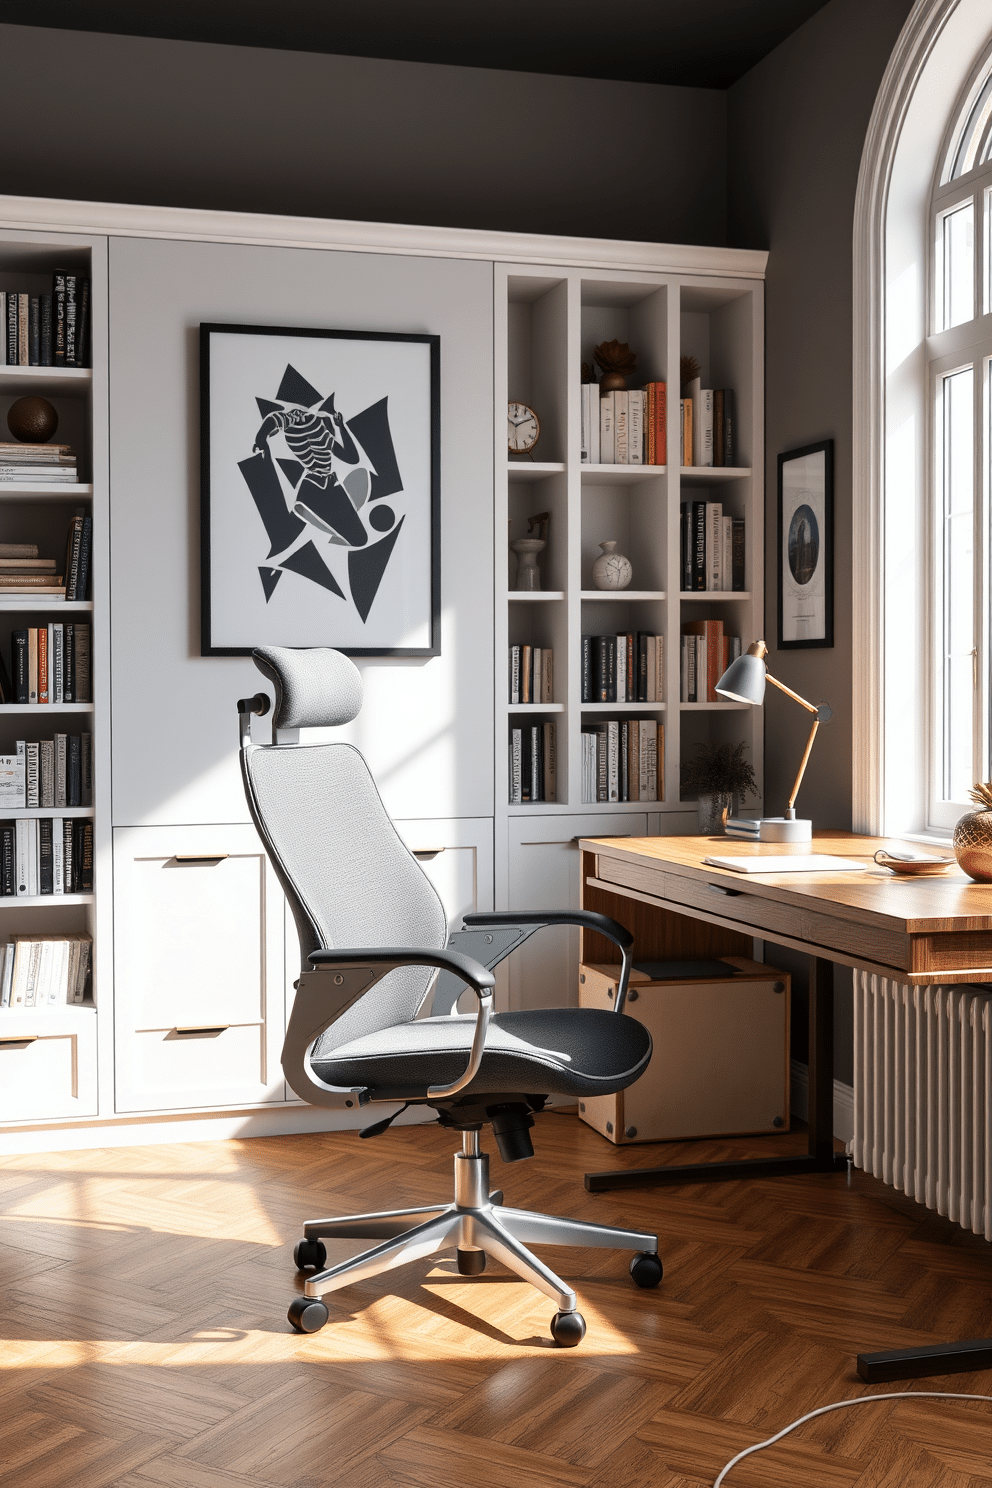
(472, 1222)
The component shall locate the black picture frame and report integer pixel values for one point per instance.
(336, 578)
(805, 551)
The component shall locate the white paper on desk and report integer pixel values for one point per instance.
(810, 863)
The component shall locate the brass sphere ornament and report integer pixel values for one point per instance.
(32, 420)
(972, 840)
(617, 363)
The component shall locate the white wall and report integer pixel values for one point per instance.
(427, 726)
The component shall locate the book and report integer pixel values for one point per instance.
(737, 551)
(32, 663)
(61, 753)
(607, 429)
(69, 664)
(711, 632)
(585, 439)
(46, 772)
(729, 452)
(621, 414)
(714, 546)
(698, 546)
(58, 856)
(595, 451)
(31, 775)
(46, 883)
(23, 343)
(58, 317)
(83, 322)
(73, 549)
(585, 669)
(702, 424)
(8, 975)
(526, 673)
(635, 427)
(6, 861)
(42, 633)
(71, 320)
(550, 762)
(46, 347)
(83, 855)
(34, 331)
(56, 684)
(69, 877)
(13, 783)
(516, 766)
(727, 557)
(73, 778)
(514, 675)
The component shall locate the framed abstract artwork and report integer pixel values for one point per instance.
(806, 547)
(319, 490)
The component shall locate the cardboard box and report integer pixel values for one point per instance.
(720, 1065)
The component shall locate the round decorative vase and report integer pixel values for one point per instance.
(713, 808)
(972, 843)
(32, 420)
(612, 382)
(528, 573)
(611, 569)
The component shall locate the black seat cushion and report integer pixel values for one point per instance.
(548, 1051)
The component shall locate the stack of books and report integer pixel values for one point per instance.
(743, 826)
(44, 971)
(623, 760)
(706, 655)
(47, 330)
(707, 418)
(46, 855)
(48, 772)
(50, 664)
(533, 763)
(711, 548)
(532, 677)
(624, 428)
(624, 668)
(37, 464)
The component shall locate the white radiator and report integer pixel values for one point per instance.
(923, 1094)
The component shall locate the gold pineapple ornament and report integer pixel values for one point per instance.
(972, 838)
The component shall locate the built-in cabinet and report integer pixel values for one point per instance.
(195, 953)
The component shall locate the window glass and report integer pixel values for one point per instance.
(957, 261)
(958, 576)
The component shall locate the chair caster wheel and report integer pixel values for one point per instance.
(471, 1262)
(307, 1253)
(496, 1197)
(307, 1314)
(646, 1268)
(568, 1329)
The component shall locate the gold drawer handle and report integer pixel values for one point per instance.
(199, 857)
(426, 854)
(201, 1028)
(18, 1041)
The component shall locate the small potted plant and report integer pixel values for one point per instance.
(715, 774)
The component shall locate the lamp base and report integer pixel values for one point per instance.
(785, 829)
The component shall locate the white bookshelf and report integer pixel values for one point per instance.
(49, 1056)
(547, 325)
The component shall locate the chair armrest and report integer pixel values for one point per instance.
(338, 978)
(529, 920)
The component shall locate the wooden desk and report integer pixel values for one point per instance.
(915, 930)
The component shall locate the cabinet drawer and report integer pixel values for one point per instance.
(162, 1069)
(199, 918)
(48, 1065)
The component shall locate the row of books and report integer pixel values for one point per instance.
(533, 763)
(48, 772)
(623, 760)
(624, 428)
(707, 420)
(706, 655)
(46, 855)
(532, 674)
(624, 668)
(50, 664)
(37, 464)
(711, 548)
(44, 971)
(47, 330)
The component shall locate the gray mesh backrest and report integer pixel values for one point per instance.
(348, 876)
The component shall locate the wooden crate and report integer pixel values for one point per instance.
(721, 1055)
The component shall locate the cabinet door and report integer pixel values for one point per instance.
(200, 995)
(48, 1064)
(543, 873)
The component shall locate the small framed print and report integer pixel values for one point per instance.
(806, 547)
(319, 490)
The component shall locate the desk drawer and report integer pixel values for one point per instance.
(48, 1064)
(763, 916)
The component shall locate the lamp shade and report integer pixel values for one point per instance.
(744, 680)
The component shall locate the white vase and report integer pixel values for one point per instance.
(528, 573)
(611, 569)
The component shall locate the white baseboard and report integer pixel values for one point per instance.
(843, 1100)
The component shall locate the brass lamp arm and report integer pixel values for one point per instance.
(810, 708)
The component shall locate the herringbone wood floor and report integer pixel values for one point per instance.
(143, 1295)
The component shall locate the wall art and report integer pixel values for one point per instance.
(806, 547)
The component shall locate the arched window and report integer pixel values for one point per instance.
(959, 359)
(922, 554)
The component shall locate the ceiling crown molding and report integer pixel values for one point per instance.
(46, 214)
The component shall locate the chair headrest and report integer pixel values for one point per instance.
(317, 688)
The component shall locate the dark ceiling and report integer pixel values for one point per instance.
(695, 43)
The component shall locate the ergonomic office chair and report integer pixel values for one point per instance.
(372, 937)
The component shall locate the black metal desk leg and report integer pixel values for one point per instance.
(821, 1061)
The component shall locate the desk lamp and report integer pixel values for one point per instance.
(744, 682)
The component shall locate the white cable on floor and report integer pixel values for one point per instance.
(840, 1405)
